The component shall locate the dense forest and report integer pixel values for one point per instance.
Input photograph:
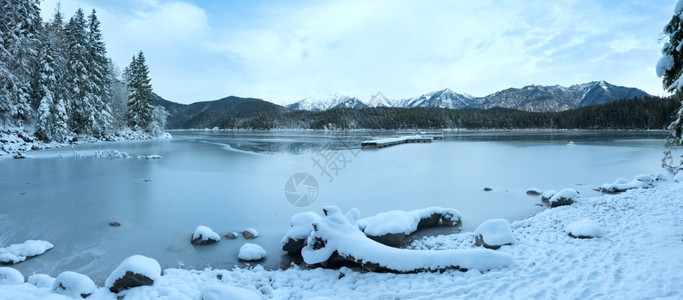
(637, 113)
(57, 83)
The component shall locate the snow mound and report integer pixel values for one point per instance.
(10, 276)
(204, 235)
(250, 251)
(17, 253)
(221, 292)
(41, 280)
(494, 233)
(563, 197)
(585, 228)
(621, 185)
(136, 264)
(406, 222)
(110, 154)
(73, 284)
(333, 234)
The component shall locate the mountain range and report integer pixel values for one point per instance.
(534, 98)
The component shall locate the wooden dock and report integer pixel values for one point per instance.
(386, 142)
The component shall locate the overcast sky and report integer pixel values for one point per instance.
(283, 51)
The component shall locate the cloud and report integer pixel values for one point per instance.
(284, 51)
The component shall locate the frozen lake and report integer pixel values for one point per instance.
(231, 181)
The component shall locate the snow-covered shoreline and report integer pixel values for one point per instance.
(15, 140)
(638, 255)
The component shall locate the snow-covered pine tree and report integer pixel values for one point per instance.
(139, 93)
(54, 34)
(670, 68)
(19, 24)
(98, 68)
(119, 97)
(78, 78)
(46, 85)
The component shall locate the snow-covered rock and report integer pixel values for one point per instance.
(10, 276)
(250, 233)
(583, 229)
(333, 234)
(110, 154)
(300, 228)
(622, 185)
(250, 252)
(390, 228)
(41, 280)
(231, 235)
(563, 197)
(153, 156)
(204, 235)
(222, 292)
(547, 195)
(74, 285)
(493, 234)
(17, 253)
(134, 271)
(534, 191)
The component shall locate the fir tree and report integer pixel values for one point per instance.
(46, 85)
(98, 68)
(78, 79)
(139, 93)
(670, 68)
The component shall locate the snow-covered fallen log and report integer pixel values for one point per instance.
(333, 237)
(17, 253)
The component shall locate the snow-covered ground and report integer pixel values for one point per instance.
(637, 255)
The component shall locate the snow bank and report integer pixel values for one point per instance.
(222, 292)
(110, 154)
(17, 253)
(136, 270)
(74, 285)
(494, 233)
(585, 228)
(563, 197)
(42, 281)
(334, 234)
(251, 252)
(204, 235)
(10, 276)
(407, 222)
(620, 185)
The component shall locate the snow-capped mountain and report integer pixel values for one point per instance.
(557, 98)
(439, 99)
(327, 102)
(529, 98)
(379, 100)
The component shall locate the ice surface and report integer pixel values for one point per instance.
(583, 228)
(495, 232)
(250, 251)
(137, 264)
(17, 253)
(10, 276)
